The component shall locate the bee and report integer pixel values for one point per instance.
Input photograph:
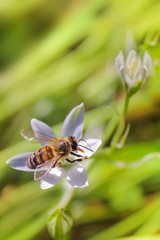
(48, 156)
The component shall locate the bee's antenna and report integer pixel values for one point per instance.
(82, 140)
(86, 147)
(87, 144)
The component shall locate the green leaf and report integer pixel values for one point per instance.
(153, 237)
(135, 152)
(59, 223)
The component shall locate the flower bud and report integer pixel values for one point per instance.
(59, 223)
(133, 72)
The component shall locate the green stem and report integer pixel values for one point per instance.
(126, 106)
(65, 200)
(68, 195)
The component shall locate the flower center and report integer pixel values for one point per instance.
(133, 64)
(132, 67)
(63, 163)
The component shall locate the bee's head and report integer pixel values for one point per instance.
(74, 143)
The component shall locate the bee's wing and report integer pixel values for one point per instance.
(43, 169)
(36, 136)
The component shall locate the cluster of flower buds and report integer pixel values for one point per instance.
(133, 72)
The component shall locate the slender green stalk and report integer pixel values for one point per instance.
(126, 106)
(65, 200)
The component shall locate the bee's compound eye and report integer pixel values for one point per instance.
(74, 143)
(74, 146)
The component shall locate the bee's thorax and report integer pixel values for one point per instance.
(62, 147)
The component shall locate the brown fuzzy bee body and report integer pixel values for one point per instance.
(60, 147)
(40, 156)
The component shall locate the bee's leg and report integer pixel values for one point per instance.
(68, 160)
(75, 154)
(59, 164)
(76, 160)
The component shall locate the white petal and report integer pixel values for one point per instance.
(137, 70)
(19, 162)
(147, 62)
(141, 76)
(40, 126)
(132, 55)
(76, 175)
(91, 145)
(128, 81)
(51, 178)
(73, 124)
(119, 63)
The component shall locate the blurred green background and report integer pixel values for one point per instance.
(53, 56)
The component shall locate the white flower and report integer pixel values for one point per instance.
(75, 173)
(133, 72)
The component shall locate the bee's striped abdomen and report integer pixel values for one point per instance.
(40, 156)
